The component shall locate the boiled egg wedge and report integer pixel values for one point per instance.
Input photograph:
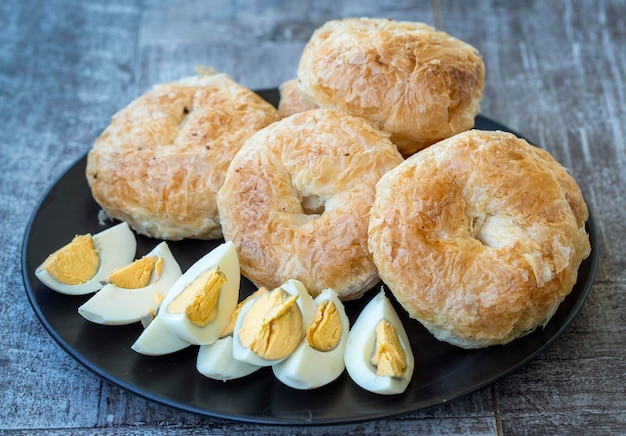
(270, 326)
(200, 303)
(319, 359)
(378, 354)
(134, 291)
(157, 340)
(79, 267)
(216, 360)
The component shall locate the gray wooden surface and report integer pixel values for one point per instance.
(556, 71)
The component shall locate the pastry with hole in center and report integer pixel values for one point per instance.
(296, 199)
(479, 237)
(419, 84)
(161, 161)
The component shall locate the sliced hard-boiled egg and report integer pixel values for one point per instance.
(80, 266)
(216, 360)
(378, 354)
(134, 291)
(200, 303)
(319, 359)
(156, 340)
(270, 326)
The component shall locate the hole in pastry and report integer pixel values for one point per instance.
(496, 231)
(313, 205)
(474, 225)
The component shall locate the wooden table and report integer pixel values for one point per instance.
(555, 72)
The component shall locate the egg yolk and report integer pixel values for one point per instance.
(137, 274)
(74, 263)
(230, 327)
(272, 327)
(388, 357)
(325, 331)
(199, 299)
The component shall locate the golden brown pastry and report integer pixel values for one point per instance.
(479, 237)
(161, 161)
(296, 199)
(408, 79)
(290, 102)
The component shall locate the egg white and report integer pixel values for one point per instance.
(360, 347)
(157, 340)
(216, 361)
(307, 308)
(113, 305)
(225, 257)
(308, 368)
(116, 247)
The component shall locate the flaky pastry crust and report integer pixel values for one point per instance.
(479, 237)
(296, 199)
(408, 79)
(161, 161)
(290, 102)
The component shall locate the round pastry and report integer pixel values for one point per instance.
(290, 102)
(296, 199)
(419, 84)
(479, 237)
(161, 161)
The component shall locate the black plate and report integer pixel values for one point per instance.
(442, 372)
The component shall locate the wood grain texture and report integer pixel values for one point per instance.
(556, 72)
